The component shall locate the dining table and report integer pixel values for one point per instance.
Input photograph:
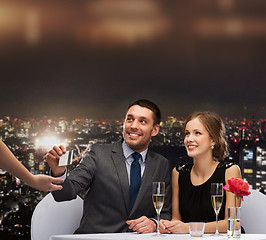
(152, 236)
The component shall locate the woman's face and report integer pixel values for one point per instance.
(197, 139)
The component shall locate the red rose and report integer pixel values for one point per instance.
(238, 186)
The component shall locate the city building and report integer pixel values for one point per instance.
(252, 161)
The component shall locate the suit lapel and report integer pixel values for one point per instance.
(119, 163)
(146, 181)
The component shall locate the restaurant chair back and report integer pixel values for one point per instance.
(55, 218)
(253, 213)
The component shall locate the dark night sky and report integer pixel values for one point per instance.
(182, 71)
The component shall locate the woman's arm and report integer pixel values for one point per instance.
(175, 225)
(233, 171)
(175, 195)
(11, 164)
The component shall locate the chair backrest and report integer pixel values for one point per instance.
(51, 217)
(253, 212)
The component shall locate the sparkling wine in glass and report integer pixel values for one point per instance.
(217, 201)
(158, 195)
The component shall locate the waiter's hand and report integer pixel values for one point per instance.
(45, 183)
(142, 225)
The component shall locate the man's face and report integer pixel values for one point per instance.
(138, 128)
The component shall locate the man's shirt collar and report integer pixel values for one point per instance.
(127, 151)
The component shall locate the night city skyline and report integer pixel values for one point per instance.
(90, 60)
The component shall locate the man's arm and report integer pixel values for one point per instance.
(78, 180)
(148, 225)
(142, 225)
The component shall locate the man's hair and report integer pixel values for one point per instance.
(150, 105)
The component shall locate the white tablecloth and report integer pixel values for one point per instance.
(152, 236)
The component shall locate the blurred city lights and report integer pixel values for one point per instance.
(32, 31)
(124, 21)
(48, 141)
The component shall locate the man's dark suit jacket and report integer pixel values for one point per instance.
(106, 204)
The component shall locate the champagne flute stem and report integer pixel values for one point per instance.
(158, 219)
(216, 232)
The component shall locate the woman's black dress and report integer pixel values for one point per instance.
(195, 201)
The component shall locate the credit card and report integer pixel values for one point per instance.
(66, 159)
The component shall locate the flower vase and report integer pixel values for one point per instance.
(234, 222)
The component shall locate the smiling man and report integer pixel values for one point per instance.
(119, 177)
(140, 125)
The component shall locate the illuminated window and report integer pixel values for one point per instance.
(248, 170)
(261, 156)
(247, 155)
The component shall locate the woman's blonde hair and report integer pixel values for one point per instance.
(215, 127)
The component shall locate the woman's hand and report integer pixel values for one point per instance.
(174, 226)
(162, 227)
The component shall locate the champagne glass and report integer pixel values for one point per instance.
(217, 200)
(158, 194)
